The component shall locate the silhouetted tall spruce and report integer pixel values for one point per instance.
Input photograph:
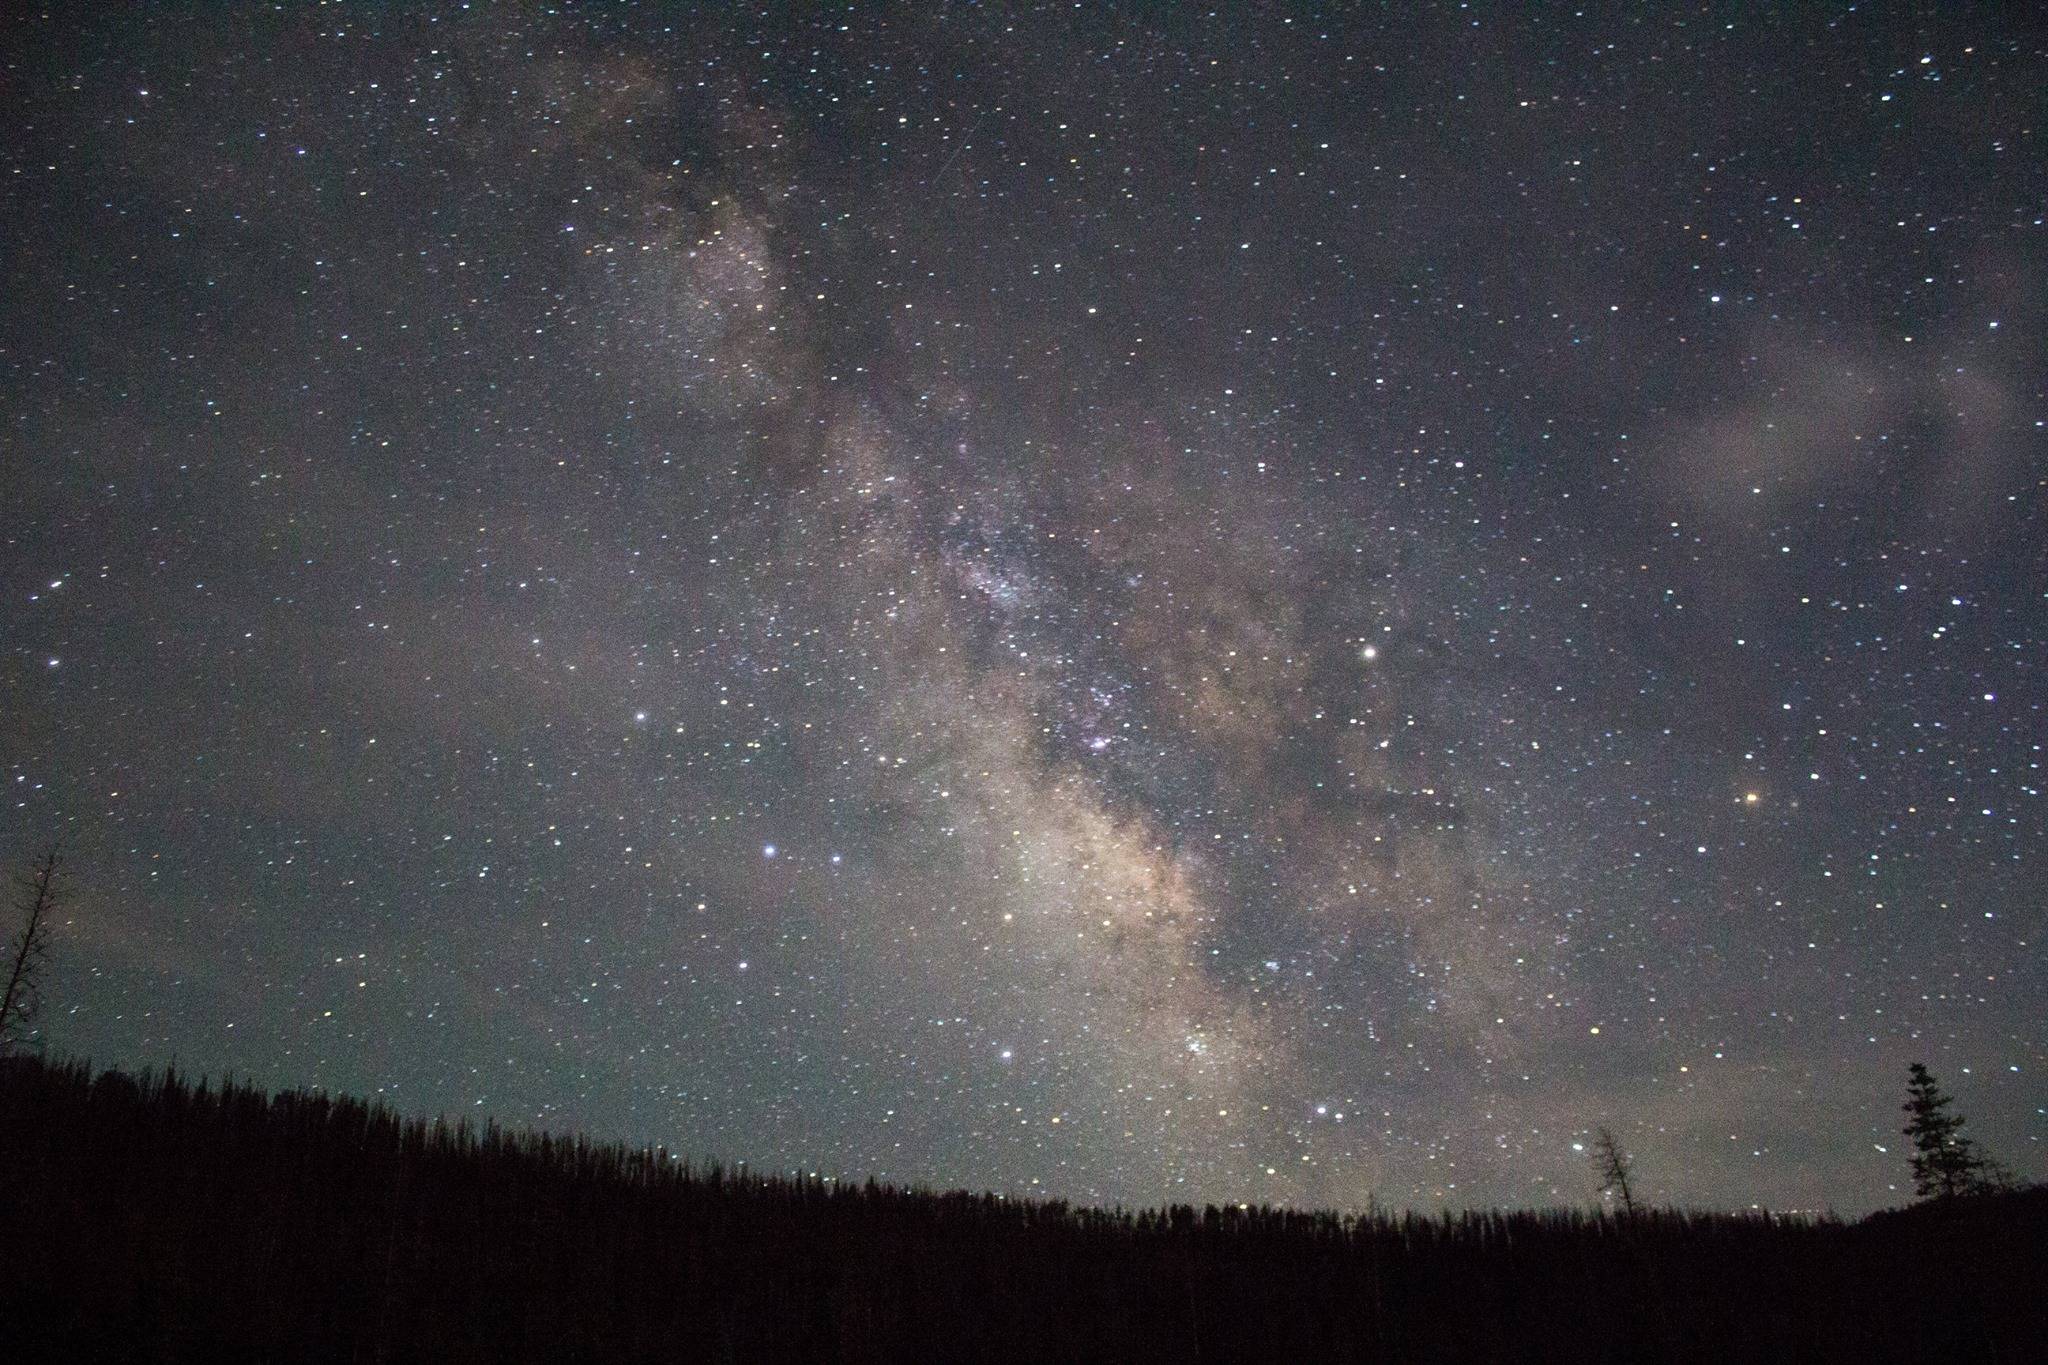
(1946, 1164)
(155, 1219)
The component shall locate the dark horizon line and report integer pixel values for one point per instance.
(474, 1132)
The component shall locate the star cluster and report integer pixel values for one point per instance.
(1117, 602)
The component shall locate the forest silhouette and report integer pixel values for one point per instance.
(153, 1217)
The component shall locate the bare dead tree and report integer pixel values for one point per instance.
(1611, 1162)
(25, 956)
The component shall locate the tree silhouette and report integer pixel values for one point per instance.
(1611, 1162)
(1945, 1163)
(23, 996)
(171, 1220)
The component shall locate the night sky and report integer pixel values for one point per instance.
(1121, 602)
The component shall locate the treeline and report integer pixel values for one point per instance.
(152, 1218)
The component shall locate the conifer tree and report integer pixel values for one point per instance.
(1945, 1163)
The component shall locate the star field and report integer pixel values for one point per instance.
(1121, 602)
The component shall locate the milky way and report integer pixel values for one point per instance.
(1120, 602)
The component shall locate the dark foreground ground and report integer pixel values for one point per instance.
(152, 1219)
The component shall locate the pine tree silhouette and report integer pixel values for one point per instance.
(1945, 1163)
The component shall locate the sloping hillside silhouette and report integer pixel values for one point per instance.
(156, 1218)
